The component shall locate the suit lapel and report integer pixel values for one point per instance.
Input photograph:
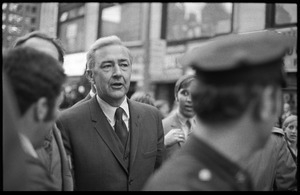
(105, 131)
(175, 122)
(134, 130)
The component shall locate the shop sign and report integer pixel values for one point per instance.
(137, 73)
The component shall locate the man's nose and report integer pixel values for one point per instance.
(117, 70)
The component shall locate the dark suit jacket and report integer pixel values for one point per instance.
(87, 97)
(91, 141)
(38, 176)
(61, 174)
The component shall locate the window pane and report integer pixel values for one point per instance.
(286, 13)
(4, 6)
(123, 20)
(251, 17)
(72, 35)
(192, 20)
(13, 7)
(63, 17)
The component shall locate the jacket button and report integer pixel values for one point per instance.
(204, 175)
(240, 177)
(125, 157)
(130, 181)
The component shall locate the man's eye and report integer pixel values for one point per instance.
(291, 127)
(124, 65)
(106, 66)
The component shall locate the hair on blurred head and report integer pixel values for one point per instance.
(41, 35)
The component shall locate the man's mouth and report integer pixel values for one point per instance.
(117, 85)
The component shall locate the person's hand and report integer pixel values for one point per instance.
(174, 136)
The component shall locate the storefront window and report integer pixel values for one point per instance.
(71, 29)
(72, 35)
(193, 20)
(285, 13)
(123, 20)
(250, 17)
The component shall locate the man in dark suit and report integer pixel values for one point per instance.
(36, 79)
(236, 106)
(53, 153)
(115, 143)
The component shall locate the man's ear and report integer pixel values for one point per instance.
(90, 76)
(41, 109)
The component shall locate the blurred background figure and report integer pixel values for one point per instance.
(143, 97)
(290, 127)
(15, 171)
(163, 107)
(36, 79)
(52, 154)
(177, 125)
(286, 112)
(272, 168)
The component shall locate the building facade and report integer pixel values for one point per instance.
(158, 33)
(19, 19)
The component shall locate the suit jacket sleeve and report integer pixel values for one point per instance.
(67, 145)
(160, 143)
(38, 177)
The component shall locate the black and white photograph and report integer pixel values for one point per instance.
(149, 96)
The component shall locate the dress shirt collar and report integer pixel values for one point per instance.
(109, 110)
(27, 145)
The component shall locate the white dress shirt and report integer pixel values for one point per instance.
(109, 111)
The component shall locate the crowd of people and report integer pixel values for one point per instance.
(222, 135)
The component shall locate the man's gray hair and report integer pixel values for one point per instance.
(100, 43)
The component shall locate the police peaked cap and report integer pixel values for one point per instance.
(249, 57)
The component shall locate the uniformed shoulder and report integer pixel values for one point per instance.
(277, 131)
